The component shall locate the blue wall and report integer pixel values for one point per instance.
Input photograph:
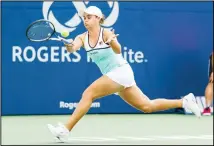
(167, 44)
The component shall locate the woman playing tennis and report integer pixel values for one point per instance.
(104, 49)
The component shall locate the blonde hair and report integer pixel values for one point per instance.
(102, 19)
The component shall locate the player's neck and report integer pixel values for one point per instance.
(94, 31)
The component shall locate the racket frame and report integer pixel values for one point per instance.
(48, 38)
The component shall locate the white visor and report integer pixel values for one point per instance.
(92, 10)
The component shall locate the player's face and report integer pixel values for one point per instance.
(90, 20)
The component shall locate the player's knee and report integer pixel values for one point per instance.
(147, 108)
(87, 95)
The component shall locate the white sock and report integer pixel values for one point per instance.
(184, 103)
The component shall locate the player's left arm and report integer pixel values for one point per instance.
(111, 38)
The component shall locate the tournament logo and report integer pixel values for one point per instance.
(75, 20)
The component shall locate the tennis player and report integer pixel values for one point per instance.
(209, 88)
(104, 49)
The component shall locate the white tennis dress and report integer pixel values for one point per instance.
(110, 64)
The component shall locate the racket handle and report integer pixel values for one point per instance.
(65, 41)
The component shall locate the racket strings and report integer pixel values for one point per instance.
(39, 31)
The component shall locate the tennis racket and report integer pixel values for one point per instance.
(43, 30)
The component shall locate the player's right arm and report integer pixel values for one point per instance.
(76, 44)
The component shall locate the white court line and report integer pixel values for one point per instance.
(92, 139)
(180, 137)
(183, 137)
(135, 138)
(143, 138)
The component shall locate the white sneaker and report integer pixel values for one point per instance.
(59, 131)
(189, 102)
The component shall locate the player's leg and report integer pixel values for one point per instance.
(209, 94)
(134, 96)
(99, 88)
(209, 88)
(208, 98)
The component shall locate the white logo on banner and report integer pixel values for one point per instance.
(60, 54)
(75, 20)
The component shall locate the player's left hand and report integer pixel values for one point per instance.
(112, 37)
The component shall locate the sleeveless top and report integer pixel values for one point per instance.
(103, 55)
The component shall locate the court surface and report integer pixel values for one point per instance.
(126, 129)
